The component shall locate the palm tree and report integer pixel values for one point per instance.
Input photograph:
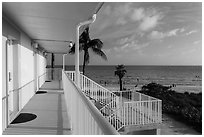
(52, 65)
(120, 72)
(85, 43)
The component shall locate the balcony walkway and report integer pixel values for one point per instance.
(51, 114)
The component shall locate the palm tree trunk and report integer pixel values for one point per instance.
(84, 63)
(52, 66)
(121, 84)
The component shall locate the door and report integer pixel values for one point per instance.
(10, 76)
(4, 85)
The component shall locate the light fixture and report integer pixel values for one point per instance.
(34, 44)
(70, 44)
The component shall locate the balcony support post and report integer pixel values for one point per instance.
(64, 55)
(77, 76)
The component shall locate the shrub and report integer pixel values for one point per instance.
(188, 106)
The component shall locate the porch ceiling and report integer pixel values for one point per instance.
(50, 21)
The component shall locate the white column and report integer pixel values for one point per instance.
(64, 55)
(37, 71)
(77, 74)
(15, 77)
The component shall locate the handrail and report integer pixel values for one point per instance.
(98, 84)
(22, 86)
(106, 105)
(42, 74)
(26, 83)
(141, 94)
(105, 126)
(142, 101)
(121, 106)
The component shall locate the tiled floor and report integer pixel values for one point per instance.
(51, 115)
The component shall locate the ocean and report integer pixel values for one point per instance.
(186, 78)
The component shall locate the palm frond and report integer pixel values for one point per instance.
(116, 73)
(84, 37)
(96, 43)
(99, 52)
(120, 71)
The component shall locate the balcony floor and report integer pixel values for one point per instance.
(51, 116)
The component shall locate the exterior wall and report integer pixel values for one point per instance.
(42, 70)
(15, 78)
(25, 71)
(4, 85)
(27, 74)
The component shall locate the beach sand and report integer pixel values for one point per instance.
(173, 127)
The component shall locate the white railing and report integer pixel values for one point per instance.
(138, 109)
(16, 99)
(71, 75)
(85, 117)
(141, 112)
(4, 111)
(121, 108)
(96, 91)
(41, 79)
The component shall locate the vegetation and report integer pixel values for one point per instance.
(120, 72)
(85, 43)
(186, 107)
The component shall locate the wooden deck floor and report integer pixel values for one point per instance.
(51, 115)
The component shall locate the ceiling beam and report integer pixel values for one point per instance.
(52, 40)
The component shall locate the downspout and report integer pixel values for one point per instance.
(64, 55)
(77, 76)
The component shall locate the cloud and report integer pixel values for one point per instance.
(191, 32)
(172, 32)
(147, 18)
(149, 22)
(121, 21)
(138, 14)
(133, 45)
(125, 40)
(124, 13)
(107, 10)
(156, 35)
(196, 42)
(161, 35)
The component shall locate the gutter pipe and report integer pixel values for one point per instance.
(77, 76)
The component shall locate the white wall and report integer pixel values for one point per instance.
(41, 70)
(42, 63)
(25, 67)
(4, 85)
(27, 74)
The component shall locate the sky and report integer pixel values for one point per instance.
(148, 33)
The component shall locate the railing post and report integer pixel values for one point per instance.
(139, 96)
(64, 61)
